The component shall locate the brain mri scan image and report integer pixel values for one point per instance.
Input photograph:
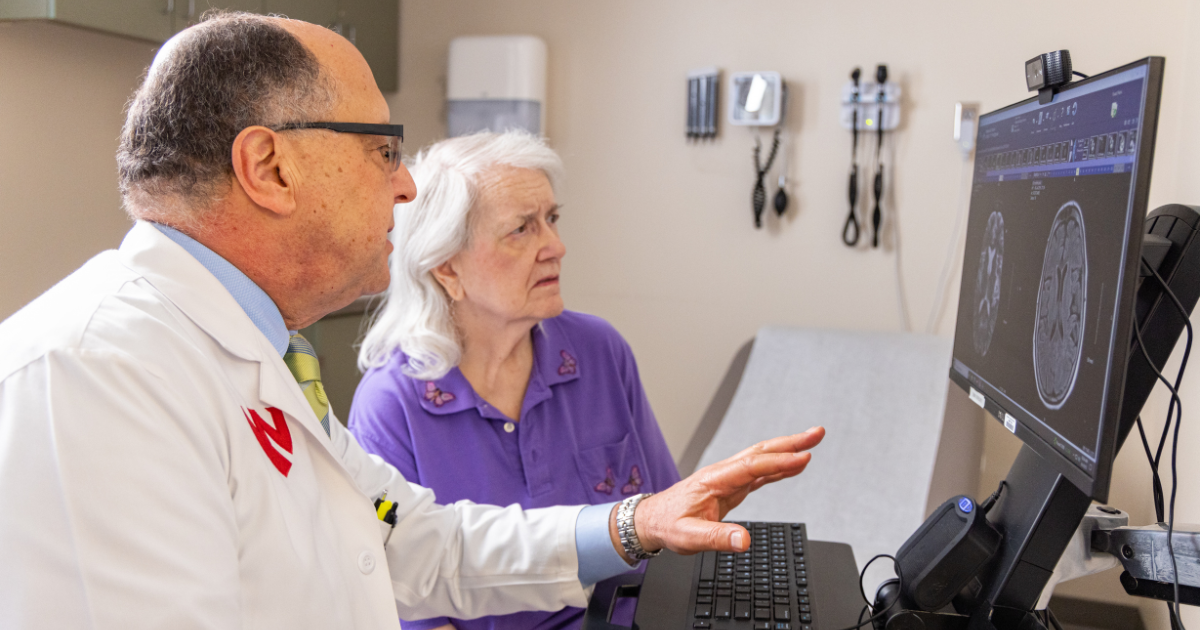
(1061, 307)
(987, 282)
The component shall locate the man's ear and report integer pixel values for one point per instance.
(262, 170)
(448, 277)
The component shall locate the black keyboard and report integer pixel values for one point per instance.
(765, 588)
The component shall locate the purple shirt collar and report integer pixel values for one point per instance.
(555, 361)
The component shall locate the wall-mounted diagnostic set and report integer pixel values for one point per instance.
(758, 99)
(868, 106)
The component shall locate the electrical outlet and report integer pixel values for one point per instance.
(966, 120)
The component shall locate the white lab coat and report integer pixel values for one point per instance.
(134, 492)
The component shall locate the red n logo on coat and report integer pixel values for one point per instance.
(268, 435)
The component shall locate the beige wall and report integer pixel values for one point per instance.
(62, 91)
(659, 231)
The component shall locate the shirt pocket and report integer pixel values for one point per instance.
(611, 472)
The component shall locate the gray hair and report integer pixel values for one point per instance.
(231, 71)
(415, 316)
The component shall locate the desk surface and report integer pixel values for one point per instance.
(663, 600)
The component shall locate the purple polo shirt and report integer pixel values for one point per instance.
(586, 436)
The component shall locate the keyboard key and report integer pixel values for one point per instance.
(782, 625)
(801, 581)
(762, 613)
(742, 597)
(741, 610)
(724, 592)
(722, 608)
(703, 612)
(781, 600)
(701, 624)
(742, 582)
(742, 589)
(705, 590)
(762, 588)
(704, 599)
(782, 613)
(802, 591)
(805, 608)
(806, 618)
(762, 625)
(705, 583)
(708, 565)
(803, 600)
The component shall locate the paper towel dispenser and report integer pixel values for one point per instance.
(496, 83)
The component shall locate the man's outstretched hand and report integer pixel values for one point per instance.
(685, 518)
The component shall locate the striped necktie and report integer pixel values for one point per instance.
(301, 359)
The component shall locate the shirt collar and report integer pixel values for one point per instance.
(259, 306)
(555, 361)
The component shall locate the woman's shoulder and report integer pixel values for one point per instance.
(386, 377)
(588, 330)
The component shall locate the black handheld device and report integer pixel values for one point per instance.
(946, 553)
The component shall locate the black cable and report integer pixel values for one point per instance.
(881, 74)
(760, 187)
(1187, 351)
(987, 504)
(862, 574)
(1177, 406)
(851, 231)
(1053, 620)
(1079, 74)
(1155, 480)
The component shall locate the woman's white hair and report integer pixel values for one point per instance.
(415, 316)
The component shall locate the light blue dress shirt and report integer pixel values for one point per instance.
(597, 558)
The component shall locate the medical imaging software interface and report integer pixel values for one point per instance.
(1052, 193)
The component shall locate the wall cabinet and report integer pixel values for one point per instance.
(372, 25)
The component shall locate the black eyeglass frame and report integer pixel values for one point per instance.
(396, 132)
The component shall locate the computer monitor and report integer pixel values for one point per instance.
(1051, 265)
(1046, 308)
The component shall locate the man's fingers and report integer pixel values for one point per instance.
(786, 443)
(690, 535)
(735, 474)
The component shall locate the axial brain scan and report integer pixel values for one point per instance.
(1061, 306)
(987, 282)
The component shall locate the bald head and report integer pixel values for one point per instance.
(231, 71)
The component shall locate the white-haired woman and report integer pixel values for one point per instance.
(478, 384)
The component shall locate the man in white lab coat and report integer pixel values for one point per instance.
(165, 464)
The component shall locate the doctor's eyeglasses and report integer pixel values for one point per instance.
(394, 134)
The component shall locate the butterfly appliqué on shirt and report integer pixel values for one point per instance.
(610, 482)
(437, 396)
(568, 364)
(635, 482)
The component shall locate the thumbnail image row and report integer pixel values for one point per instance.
(1094, 148)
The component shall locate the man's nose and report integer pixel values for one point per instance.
(403, 186)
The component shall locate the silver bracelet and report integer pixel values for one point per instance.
(627, 532)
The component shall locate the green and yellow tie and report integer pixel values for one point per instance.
(301, 359)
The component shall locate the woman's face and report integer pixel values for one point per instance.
(509, 271)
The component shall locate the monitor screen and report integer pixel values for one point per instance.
(1055, 220)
